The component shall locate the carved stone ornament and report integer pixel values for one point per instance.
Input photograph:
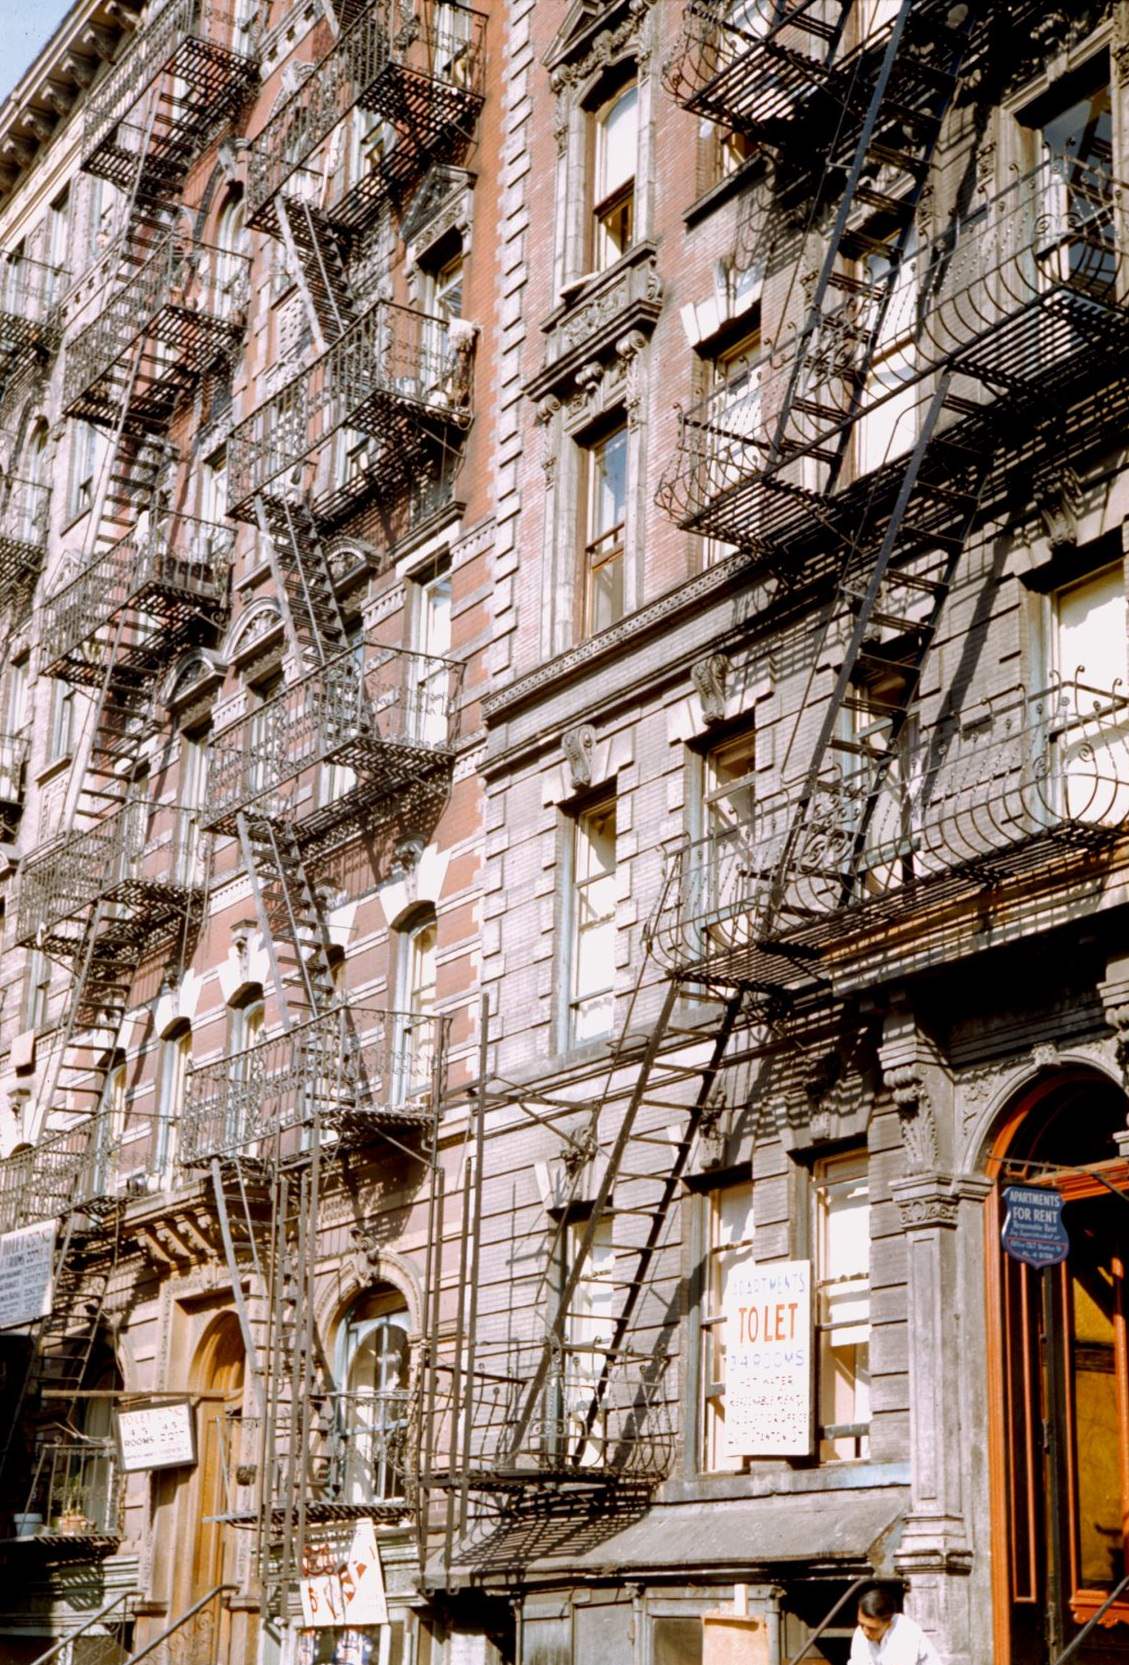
(918, 1122)
(579, 747)
(713, 1130)
(1060, 505)
(925, 1202)
(709, 677)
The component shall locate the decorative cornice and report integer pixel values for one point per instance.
(926, 1201)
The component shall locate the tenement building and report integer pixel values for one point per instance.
(564, 779)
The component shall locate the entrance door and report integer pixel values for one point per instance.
(1061, 1456)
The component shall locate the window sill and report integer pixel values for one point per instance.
(56, 766)
(747, 174)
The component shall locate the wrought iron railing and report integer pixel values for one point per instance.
(599, 1417)
(145, 858)
(420, 66)
(29, 297)
(24, 508)
(13, 764)
(1027, 293)
(366, 723)
(340, 1076)
(77, 1491)
(166, 565)
(203, 45)
(187, 297)
(1017, 786)
(68, 1168)
(353, 1463)
(396, 374)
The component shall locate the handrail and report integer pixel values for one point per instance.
(189, 1613)
(65, 1641)
(1095, 1618)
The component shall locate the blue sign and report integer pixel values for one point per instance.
(1033, 1231)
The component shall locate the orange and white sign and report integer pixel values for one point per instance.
(768, 1360)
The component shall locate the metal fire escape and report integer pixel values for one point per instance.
(789, 477)
(125, 875)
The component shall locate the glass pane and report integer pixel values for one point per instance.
(617, 143)
(1095, 1295)
(677, 1642)
(1091, 629)
(609, 484)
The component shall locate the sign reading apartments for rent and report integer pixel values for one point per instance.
(27, 1259)
(768, 1367)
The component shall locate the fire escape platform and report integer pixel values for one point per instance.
(423, 74)
(168, 581)
(187, 43)
(181, 308)
(397, 375)
(24, 510)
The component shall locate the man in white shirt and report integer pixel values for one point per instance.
(884, 1636)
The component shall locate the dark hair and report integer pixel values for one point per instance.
(877, 1603)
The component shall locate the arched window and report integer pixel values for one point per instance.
(232, 244)
(31, 491)
(372, 1401)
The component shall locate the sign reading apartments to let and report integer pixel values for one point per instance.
(27, 1259)
(768, 1363)
(156, 1436)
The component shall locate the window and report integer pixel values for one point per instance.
(606, 517)
(431, 639)
(176, 1055)
(373, 1367)
(213, 505)
(61, 735)
(842, 1291)
(729, 1244)
(16, 711)
(58, 234)
(231, 270)
(192, 782)
(887, 428)
(726, 860)
(592, 947)
(245, 1017)
(1090, 627)
(37, 989)
(417, 981)
(588, 1332)
(615, 140)
(85, 454)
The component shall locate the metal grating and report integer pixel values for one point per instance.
(76, 1165)
(24, 509)
(336, 1079)
(168, 577)
(1022, 785)
(419, 67)
(192, 58)
(365, 726)
(181, 304)
(400, 377)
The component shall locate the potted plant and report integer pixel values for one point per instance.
(71, 1521)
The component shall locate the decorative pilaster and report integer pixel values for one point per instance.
(1114, 993)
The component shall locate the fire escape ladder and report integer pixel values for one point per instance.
(918, 131)
(315, 257)
(289, 916)
(646, 1153)
(302, 579)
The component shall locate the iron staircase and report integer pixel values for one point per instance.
(317, 261)
(303, 582)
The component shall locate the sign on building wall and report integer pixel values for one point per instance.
(768, 1360)
(157, 1436)
(348, 1591)
(27, 1259)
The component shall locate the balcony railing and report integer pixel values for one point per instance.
(201, 47)
(420, 67)
(13, 764)
(167, 576)
(396, 375)
(29, 296)
(353, 1466)
(368, 725)
(179, 306)
(599, 1418)
(1024, 298)
(1026, 787)
(77, 1493)
(145, 858)
(70, 1168)
(346, 1074)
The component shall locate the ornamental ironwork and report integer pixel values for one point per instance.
(76, 1166)
(77, 1493)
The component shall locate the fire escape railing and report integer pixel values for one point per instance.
(397, 375)
(183, 303)
(1025, 297)
(170, 572)
(72, 1168)
(24, 509)
(200, 47)
(371, 723)
(145, 857)
(422, 72)
(14, 749)
(1023, 785)
(336, 1078)
(29, 297)
(77, 1495)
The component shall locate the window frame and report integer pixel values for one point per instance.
(620, 199)
(602, 804)
(604, 547)
(709, 1425)
(856, 1157)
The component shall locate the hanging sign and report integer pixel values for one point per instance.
(348, 1592)
(156, 1436)
(27, 1260)
(1033, 1231)
(768, 1368)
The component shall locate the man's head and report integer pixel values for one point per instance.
(875, 1614)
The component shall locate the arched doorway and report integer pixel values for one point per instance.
(203, 1558)
(1059, 1380)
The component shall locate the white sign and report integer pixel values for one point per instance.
(27, 1260)
(347, 1594)
(768, 1346)
(157, 1436)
